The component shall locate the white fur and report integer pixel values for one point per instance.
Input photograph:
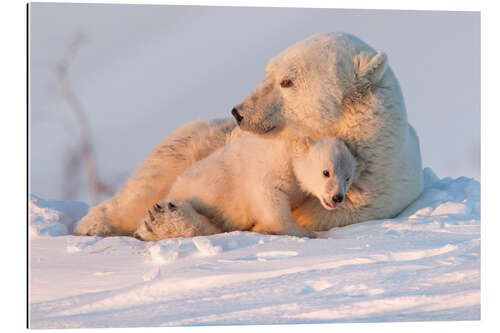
(253, 184)
(341, 87)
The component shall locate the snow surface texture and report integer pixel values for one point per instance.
(423, 265)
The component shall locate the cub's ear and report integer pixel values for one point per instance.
(360, 167)
(371, 67)
(304, 144)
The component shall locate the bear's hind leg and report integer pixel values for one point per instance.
(150, 183)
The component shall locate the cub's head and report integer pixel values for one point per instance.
(310, 83)
(326, 168)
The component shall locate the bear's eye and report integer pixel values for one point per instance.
(286, 83)
(347, 179)
(326, 173)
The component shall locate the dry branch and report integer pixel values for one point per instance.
(85, 152)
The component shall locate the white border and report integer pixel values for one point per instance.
(457, 5)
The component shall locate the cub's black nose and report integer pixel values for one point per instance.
(171, 206)
(338, 198)
(237, 116)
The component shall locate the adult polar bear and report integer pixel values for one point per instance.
(329, 84)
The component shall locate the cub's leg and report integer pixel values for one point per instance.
(275, 217)
(151, 182)
(172, 220)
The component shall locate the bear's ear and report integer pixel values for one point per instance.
(371, 67)
(304, 144)
(360, 167)
(368, 70)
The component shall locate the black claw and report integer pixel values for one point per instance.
(171, 206)
(148, 226)
(158, 208)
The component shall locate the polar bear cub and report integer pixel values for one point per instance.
(253, 184)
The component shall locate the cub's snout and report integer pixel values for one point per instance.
(338, 198)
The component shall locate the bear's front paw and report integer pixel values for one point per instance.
(93, 225)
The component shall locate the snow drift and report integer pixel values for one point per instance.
(422, 265)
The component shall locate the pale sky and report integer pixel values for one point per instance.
(144, 70)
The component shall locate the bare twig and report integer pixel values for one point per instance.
(95, 186)
(71, 183)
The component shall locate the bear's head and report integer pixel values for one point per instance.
(310, 83)
(325, 169)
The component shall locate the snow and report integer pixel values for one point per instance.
(53, 217)
(422, 265)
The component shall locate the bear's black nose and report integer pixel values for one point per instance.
(237, 116)
(338, 198)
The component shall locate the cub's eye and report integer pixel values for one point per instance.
(347, 179)
(286, 83)
(326, 173)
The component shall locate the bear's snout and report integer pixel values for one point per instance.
(237, 115)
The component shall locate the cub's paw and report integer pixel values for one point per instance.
(150, 225)
(299, 231)
(172, 220)
(296, 231)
